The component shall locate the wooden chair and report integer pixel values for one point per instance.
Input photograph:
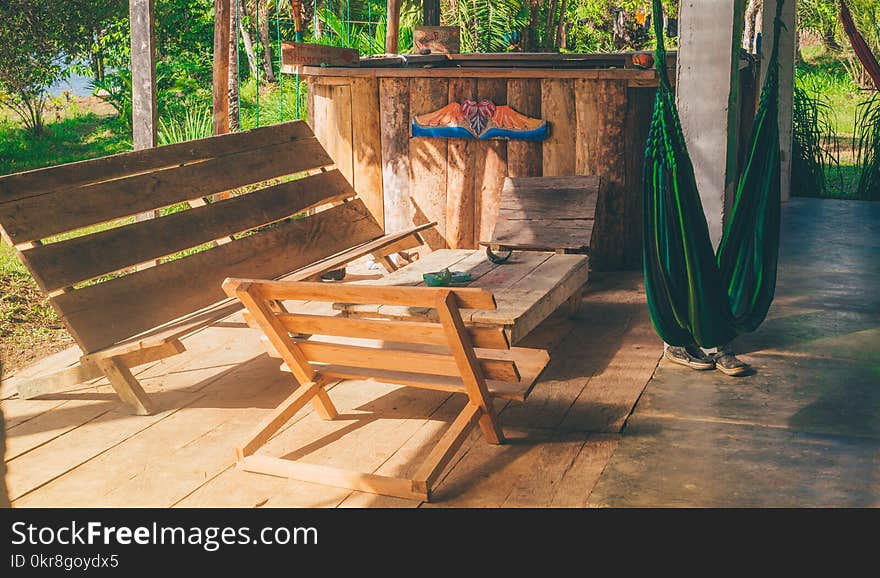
(128, 289)
(448, 355)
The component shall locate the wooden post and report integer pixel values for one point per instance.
(786, 79)
(221, 65)
(432, 13)
(392, 27)
(144, 113)
(143, 74)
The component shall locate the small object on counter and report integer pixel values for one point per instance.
(496, 258)
(643, 60)
(445, 277)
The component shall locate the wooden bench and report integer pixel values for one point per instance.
(127, 289)
(448, 355)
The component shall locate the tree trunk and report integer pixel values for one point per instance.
(319, 29)
(560, 31)
(751, 20)
(265, 41)
(549, 25)
(530, 37)
(248, 44)
(234, 125)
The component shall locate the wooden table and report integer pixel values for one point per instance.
(528, 288)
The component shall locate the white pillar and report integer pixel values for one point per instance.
(786, 78)
(707, 94)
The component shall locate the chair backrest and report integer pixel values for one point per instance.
(75, 228)
(311, 343)
(547, 213)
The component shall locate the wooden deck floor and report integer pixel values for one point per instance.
(84, 450)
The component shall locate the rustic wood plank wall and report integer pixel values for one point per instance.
(428, 166)
(597, 126)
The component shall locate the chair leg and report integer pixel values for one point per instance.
(445, 449)
(491, 428)
(279, 416)
(324, 405)
(126, 385)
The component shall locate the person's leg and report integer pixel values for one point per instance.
(727, 363)
(689, 356)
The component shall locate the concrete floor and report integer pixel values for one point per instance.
(804, 430)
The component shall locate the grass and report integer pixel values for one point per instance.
(824, 77)
(29, 327)
(74, 138)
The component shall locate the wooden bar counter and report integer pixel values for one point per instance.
(597, 108)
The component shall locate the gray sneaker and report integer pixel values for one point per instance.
(690, 356)
(727, 363)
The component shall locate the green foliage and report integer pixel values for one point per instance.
(814, 142)
(115, 89)
(193, 124)
(488, 25)
(821, 18)
(38, 40)
(867, 144)
(77, 137)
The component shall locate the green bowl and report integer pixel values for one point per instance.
(445, 277)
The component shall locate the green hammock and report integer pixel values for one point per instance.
(693, 295)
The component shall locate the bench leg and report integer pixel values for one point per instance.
(89, 369)
(126, 385)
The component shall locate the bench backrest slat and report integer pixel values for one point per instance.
(468, 298)
(102, 314)
(403, 331)
(64, 210)
(383, 344)
(41, 181)
(65, 263)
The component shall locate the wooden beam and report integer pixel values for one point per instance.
(143, 74)
(88, 370)
(144, 110)
(392, 28)
(221, 66)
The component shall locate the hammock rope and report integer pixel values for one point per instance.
(861, 48)
(693, 295)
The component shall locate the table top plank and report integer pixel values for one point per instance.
(547, 288)
(527, 289)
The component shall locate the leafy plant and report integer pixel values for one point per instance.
(193, 124)
(814, 142)
(488, 25)
(115, 89)
(866, 142)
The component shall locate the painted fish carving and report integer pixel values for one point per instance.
(478, 120)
